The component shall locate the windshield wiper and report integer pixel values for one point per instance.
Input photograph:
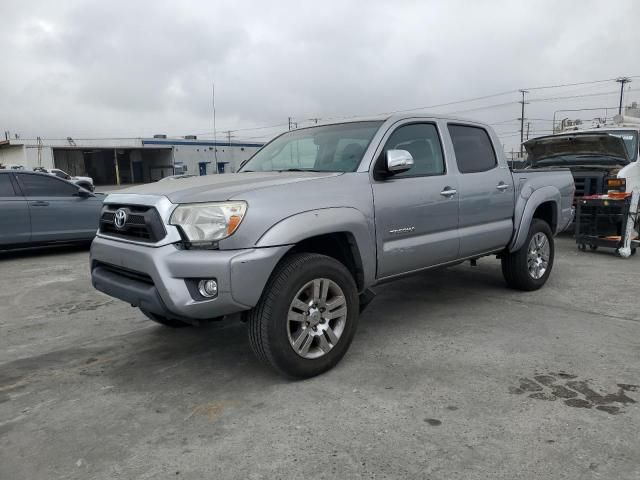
(298, 170)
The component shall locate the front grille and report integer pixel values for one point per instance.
(589, 183)
(125, 272)
(143, 224)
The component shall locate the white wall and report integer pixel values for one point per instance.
(192, 155)
(12, 155)
(31, 159)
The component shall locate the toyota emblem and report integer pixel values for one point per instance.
(120, 218)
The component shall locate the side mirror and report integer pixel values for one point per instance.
(82, 193)
(398, 161)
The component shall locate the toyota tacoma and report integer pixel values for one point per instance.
(296, 239)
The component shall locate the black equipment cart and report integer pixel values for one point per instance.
(602, 221)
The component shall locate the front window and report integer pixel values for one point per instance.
(630, 139)
(330, 148)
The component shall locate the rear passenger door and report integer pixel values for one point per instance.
(485, 188)
(58, 213)
(416, 212)
(15, 224)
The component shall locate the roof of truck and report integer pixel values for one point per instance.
(397, 117)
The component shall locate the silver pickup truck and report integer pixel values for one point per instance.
(316, 218)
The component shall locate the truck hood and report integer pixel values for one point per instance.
(215, 188)
(585, 149)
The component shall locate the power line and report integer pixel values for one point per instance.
(578, 83)
(584, 95)
(315, 119)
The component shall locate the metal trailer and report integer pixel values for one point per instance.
(610, 222)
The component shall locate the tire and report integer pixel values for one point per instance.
(283, 305)
(515, 267)
(167, 322)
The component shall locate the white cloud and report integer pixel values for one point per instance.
(137, 68)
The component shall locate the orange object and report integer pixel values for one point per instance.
(619, 195)
(234, 221)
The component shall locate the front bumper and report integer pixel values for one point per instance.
(155, 278)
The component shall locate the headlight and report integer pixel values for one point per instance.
(208, 222)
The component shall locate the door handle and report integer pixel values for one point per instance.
(502, 187)
(448, 192)
(40, 203)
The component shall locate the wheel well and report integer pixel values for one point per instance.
(342, 246)
(547, 211)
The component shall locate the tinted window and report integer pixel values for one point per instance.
(422, 142)
(6, 189)
(43, 185)
(474, 152)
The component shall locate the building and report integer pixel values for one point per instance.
(115, 161)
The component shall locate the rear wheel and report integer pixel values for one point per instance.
(529, 268)
(167, 322)
(306, 317)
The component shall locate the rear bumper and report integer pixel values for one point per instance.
(156, 279)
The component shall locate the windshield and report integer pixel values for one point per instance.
(330, 148)
(630, 139)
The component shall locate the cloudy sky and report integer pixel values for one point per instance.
(134, 68)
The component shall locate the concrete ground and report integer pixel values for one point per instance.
(451, 376)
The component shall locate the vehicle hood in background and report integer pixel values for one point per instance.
(220, 187)
(597, 149)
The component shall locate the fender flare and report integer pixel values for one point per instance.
(528, 202)
(312, 223)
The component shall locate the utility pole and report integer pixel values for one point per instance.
(522, 120)
(215, 143)
(528, 125)
(229, 137)
(289, 123)
(622, 81)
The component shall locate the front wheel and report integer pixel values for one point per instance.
(529, 268)
(306, 317)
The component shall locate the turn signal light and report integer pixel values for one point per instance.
(617, 184)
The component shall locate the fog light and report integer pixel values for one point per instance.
(208, 288)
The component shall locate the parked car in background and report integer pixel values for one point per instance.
(11, 167)
(317, 217)
(39, 209)
(84, 182)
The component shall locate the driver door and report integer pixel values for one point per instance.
(416, 211)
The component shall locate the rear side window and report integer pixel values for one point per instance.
(46, 186)
(473, 148)
(6, 188)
